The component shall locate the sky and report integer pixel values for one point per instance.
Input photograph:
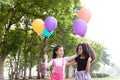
(104, 25)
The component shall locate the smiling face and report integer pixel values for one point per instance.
(60, 52)
(79, 50)
(83, 50)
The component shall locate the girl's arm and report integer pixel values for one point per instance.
(88, 65)
(47, 64)
(70, 58)
(70, 63)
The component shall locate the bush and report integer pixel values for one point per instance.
(93, 75)
(99, 75)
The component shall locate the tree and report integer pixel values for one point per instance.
(20, 14)
(106, 58)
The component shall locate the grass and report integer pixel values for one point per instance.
(107, 78)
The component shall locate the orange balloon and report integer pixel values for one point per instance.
(38, 26)
(84, 14)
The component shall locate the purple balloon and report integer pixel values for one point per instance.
(80, 27)
(50, 23)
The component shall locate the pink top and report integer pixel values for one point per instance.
(58, 62)
(58, 72)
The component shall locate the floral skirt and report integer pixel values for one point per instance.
(82, 75)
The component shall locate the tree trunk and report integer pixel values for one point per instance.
(31, 62)
(10, 72)
(21, 72)
(25, 68)
(30, 77)
(74, 70)
(16, 67)
(1, 68)
(67, 72)
(38, 67)
(25, 57)
(41, 57)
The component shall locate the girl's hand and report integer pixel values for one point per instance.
(45, 56)
(89, 59)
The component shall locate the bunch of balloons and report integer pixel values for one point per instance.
(46, 27)
(80, 25)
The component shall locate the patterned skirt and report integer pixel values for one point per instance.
(82, 75)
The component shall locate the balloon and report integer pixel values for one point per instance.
(38, 26)
(84, 14)
(46, 33)
(80, 27)
(50, 23)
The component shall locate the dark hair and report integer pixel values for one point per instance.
(54, 51)
(87, 50)
(92, 52)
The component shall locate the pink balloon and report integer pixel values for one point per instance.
(80, 27)
(84, 14)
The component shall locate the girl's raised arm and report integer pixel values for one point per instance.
(47, 64)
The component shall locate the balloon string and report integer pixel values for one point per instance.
(46, 45)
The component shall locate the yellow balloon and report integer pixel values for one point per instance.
(38, 26)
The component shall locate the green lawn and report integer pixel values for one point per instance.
(107, 78)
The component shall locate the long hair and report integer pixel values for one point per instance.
(87, 50)
(54, 51)
(84, 49)
(91, 52)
